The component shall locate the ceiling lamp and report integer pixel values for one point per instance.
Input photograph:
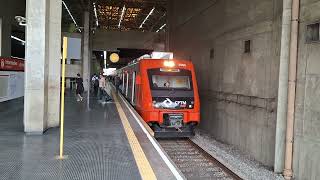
(95, 13)
(74, 21)
(18, 39)
(147, 17)
(161, 27)
(114, 57)
(122, 14)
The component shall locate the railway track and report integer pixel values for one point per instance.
(194, 162)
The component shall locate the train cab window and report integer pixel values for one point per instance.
(177, 82)
(173, 80)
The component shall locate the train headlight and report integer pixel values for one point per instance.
(155, 104)
(169, 63)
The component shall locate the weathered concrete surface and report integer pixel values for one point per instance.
(54, 56)
(238, 90)
(86, 51)
(282, 104)
(42, 50)
(110, 40)
(36, 78)
(307, 116)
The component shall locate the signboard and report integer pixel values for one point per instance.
(11, 64)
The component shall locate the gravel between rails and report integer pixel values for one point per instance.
(193, 162)
(239, 162)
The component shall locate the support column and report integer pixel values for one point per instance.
(86, 51)
(283, 88)
(42, 51)
(54, 50)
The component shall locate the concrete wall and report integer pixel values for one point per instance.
(108, 40)
(11, 85)
(238, 90)
(307, 115)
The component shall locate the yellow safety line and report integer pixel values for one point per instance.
(64, 56)
(143, 164)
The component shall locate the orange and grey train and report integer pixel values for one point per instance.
(164, 93)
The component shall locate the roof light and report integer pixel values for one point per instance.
(122, 14)
(168, 63)
(74, 21)
(95, 13)
(147, 17)
(18, 39)
(161, 27)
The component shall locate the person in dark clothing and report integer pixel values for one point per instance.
(117, 82)
(80, 88)
(95, 82)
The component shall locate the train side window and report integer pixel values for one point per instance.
(123, 82)
(127, 83)
(133, 88)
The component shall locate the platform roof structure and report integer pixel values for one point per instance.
(118, 15)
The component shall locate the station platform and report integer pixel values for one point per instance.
(105, 142)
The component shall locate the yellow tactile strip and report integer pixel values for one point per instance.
(142, 162)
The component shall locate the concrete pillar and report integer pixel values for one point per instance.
(283, 88)
(42, 50)
(86, 50)
(54, 51)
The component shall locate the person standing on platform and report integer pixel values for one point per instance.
(95, 83)
(80, 88)
(102, 85)
(117, 82)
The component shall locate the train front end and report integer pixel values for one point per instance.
(174, 110)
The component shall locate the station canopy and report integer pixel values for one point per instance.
(118, 15)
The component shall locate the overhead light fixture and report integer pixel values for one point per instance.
(146, 17)
(18, 39)
(95, 13)
(169, 63)
(161, 27)
(21, 20)
(74, 21)
(122, 14)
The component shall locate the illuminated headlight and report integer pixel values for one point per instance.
(155, 104)
(169, 63)
(190, 106)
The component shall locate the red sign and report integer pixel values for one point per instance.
(11, 64)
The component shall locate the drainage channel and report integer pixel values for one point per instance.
(194, 162)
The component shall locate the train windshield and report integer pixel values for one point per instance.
(170, 82)
(177, 79)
